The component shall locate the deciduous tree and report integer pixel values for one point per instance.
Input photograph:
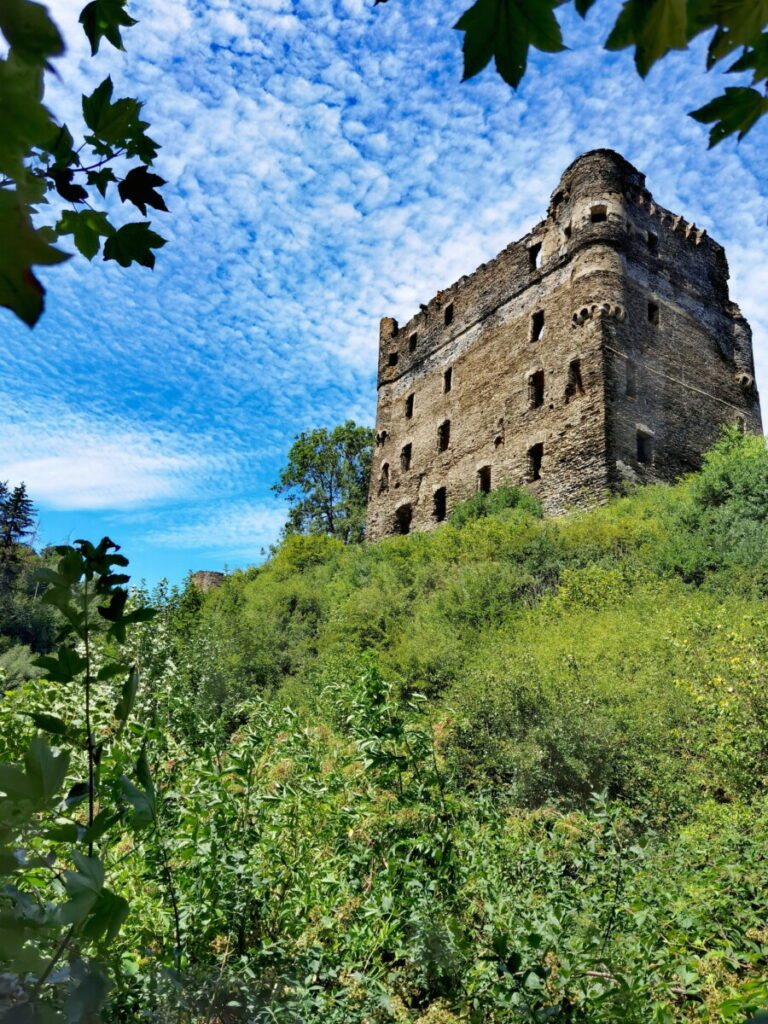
(326, 481)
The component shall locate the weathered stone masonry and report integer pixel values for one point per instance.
(601, 347)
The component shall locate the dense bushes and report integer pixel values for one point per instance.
(377, 771)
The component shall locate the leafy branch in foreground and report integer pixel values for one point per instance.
(506, 29)
(67, 802)
(40, 160)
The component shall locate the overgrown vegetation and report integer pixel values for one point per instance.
(514, 769)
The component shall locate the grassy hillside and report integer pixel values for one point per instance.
(514, 769)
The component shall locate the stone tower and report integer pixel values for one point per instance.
(602, 347)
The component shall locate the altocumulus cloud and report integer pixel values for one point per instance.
(326, 167)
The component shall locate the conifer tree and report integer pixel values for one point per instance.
(17, 517)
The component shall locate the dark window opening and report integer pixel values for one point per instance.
(567, 230)
(392, 361)
(444, 435)
(574, 385)
(403, 517)
(534, 256)
(448, 314)
(384, 479)
(440, 504)
(653, 313)
(644, 448)
(412, 342)
(484, 480)
(499, 439)
(598, 214)
(409, 407)
(405, 456)
(631, 383)
(537, 325)
(535, 457)
(536, 389)
(653, 242)
(448, 379)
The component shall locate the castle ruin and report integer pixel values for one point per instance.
(601, 348)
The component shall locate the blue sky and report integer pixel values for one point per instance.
(326, 167)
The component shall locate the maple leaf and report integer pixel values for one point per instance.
(139, 187)
(505, 29)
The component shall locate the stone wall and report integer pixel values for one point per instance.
(601, 347)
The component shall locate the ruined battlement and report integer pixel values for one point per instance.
(532, 364)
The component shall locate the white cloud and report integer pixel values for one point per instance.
(239, 529)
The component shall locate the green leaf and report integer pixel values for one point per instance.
(141, 799)
(21, 248)
(48, 723)
(133, 243)
(63, 666)
(128, 696)
(653, 28)
(15, 784)
(45, 769)
(736, 111)
(103, 19)
(114, 610)
(30, 31)
(110, 122)
(101, 179)
(106, 917)
(24, 121)
(139, 187)
(755, 60)
(103, 821)
(505, 29)
(743, 19)
(87, 226)
(83, 887)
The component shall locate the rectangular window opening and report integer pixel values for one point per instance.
(405, 456)
(409, 407)
(644, 448)
(534, 256)
(653, 314)
(439, 504)
(412, 342)
(392, 360)
(537, 325)
(536, 389)
(403, 518)
(535, 457)
(444, 436)
(574, 385)
(384, 478)
(631, 383)
(448, 314)
(484, 480)
(567, 230)
(653, 242)
(448, 380)
(598, 214)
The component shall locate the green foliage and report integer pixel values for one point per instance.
(494, 503)
(40, 161)
(511, 769)
(66, 801)
(326, 480)
(505, 29)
